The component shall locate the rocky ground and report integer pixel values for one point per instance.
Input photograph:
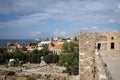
(34, 72)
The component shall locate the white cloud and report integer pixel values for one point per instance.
(95, 27)
(63, 33)
(85, 28)
(111, 20)
(87, 12)
(119, 6)
(75, 12)
(36, 34)
(56, 33)
(24, 7)
(25, 21)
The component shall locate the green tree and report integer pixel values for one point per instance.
(51, 58)
(45, 52)
(75, 38)
(70, 61)
(3, 50)
(45, 46)
(48, 58)
(55, 58)
(34, 57)
(62, 59)
(65, 47)
(69, 47)
(4, 56)
(24, 48)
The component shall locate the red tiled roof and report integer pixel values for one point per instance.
(51, 46)
(59, 46)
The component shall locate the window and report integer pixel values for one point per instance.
(112, 38)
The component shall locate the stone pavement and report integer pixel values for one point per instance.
(112, 59)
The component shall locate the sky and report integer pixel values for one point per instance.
(31, 19)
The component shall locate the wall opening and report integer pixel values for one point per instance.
(112, 38)
(112, 45)
(99, 46)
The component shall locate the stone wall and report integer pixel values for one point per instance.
(100, 68)
(115, 38)
(86, 55)
(88, 43)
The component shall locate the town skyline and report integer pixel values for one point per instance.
(31, 19)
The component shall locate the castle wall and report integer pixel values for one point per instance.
(113, 37)
(86, 55)
(88, 42)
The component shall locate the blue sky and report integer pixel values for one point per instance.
(31, 19)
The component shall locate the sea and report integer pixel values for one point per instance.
(3, 42)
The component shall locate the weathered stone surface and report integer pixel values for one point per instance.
(6, 72)
(86, 57)
(88, 43)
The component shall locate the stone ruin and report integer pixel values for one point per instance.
(88, 43)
